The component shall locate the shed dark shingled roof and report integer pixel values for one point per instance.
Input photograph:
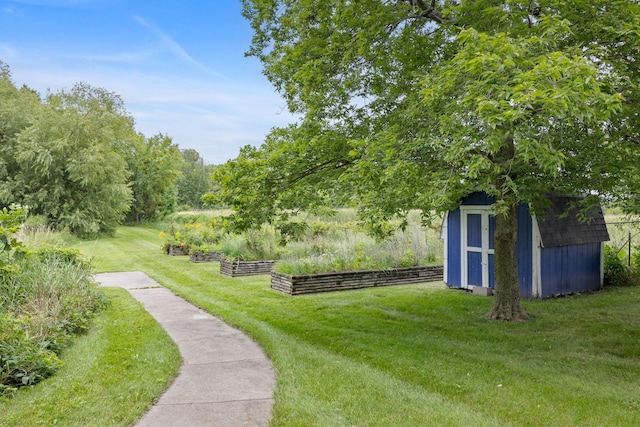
(559, 224)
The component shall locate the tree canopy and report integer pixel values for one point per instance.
(74, 157)
(154, 165)
(57, 156)
(414, 104)
(195, 179)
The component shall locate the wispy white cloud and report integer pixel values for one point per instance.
(62, 3)
(117, 57)
(213, 117)
(6, 52)
(175, 48)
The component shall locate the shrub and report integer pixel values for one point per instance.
(292, 231)
(51, 297)
(24, 359)
(616, 270)
(11, 248)
(197, 232)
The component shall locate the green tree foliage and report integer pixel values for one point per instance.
(195, 179)
(11, 249)
(75, 158)
(154, 163)
(259, 183)
(414, 104)
(57, 156)
(17, 108)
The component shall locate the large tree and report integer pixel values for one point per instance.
(154, 164)
(57, 156)
(195, 179)
(17, 109)
(414, 104)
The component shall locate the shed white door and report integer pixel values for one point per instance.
(478, 228)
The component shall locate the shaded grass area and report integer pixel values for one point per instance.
(417, 354)
(111, 375)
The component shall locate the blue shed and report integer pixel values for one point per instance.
(557, 253)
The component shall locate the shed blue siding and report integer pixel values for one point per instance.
(524, 249)
(454, 277)
(566, 269)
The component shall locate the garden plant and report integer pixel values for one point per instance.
(306, 243)
(47, 295)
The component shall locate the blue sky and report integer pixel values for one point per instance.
(179, 66)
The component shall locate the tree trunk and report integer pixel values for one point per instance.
(506, 303)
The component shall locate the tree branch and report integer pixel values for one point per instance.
(332, 164)
(426, 11)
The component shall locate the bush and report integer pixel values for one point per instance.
(11, 248)
(43, 303)
(292, 231)
(616, 270)
(24, 360)
(635, 258)
(194, 232)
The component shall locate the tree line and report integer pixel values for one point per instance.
(75, 158)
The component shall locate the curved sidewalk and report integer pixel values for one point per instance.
(225, 378)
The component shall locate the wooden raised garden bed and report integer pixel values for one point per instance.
(327, 282)
(245, 268)
(176, 250)
(199, 256)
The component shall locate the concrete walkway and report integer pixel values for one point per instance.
(225, 378)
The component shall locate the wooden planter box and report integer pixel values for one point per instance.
(327, 282)
(208, 257)
(245, 268)
(176, 250)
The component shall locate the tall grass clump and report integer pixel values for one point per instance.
(47, 295)
(252, 245)
(340, 241)
(355, 250)
(35, 233)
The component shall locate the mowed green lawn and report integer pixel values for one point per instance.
(417, 354)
